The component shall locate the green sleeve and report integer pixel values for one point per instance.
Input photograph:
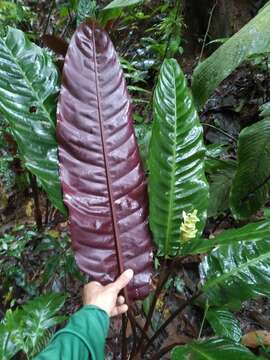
(83, 338)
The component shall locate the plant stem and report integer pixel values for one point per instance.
(166, 273)
(38, 216)
(162, 281)
(124, 337)
(170, 319)
(133, 326)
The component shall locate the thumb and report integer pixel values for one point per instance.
(93, 286)
(123, 280)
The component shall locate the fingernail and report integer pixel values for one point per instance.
(130, 273)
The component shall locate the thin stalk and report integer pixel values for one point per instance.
(134, 333)
(170, 290)
(203, 320)
(124, 337)
(255, 189)
(34, 187)
(267, 80)
(48, 17)
(166, 349)
(169, 320)
(144, 333)
(179, 7)
(208, 29)
(162, 281)
(70, 20)
(47, 212)
(221, 131)
(166, 273)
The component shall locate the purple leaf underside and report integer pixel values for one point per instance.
(102, 177)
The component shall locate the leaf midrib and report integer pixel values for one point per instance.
(172, 182)
(107, 172)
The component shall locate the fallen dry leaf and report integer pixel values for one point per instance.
(257, 338)
(29, 208)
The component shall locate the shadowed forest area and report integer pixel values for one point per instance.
(136, 134)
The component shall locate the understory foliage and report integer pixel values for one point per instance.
(191, 181)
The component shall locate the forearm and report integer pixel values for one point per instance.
(82, 338)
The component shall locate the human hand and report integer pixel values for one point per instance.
(106, 297)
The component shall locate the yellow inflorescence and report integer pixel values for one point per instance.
(188, 227)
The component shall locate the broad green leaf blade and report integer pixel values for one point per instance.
(251, 39)
(237, 272)
(114, 9)
(251, 232)
(251, 185)
(177, 181)
(265, 109)
(224, 324)
(28, 93)
(213, 349)
(220, 187)
(86, 8)
(121, 3)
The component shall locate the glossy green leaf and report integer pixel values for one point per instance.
(28, 93)
(213, 349)
(216, 159)
(224, 324)
(265, 109)
(237, 272)
(177, 181)
(251, 232)
(251, 39)
(215, 150)
(251, 185)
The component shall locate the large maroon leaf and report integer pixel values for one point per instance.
(101, 172)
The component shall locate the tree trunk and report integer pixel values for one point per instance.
(228, 16)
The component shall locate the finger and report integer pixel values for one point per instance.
(118, 310)
(123, 280)
(120, 300)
